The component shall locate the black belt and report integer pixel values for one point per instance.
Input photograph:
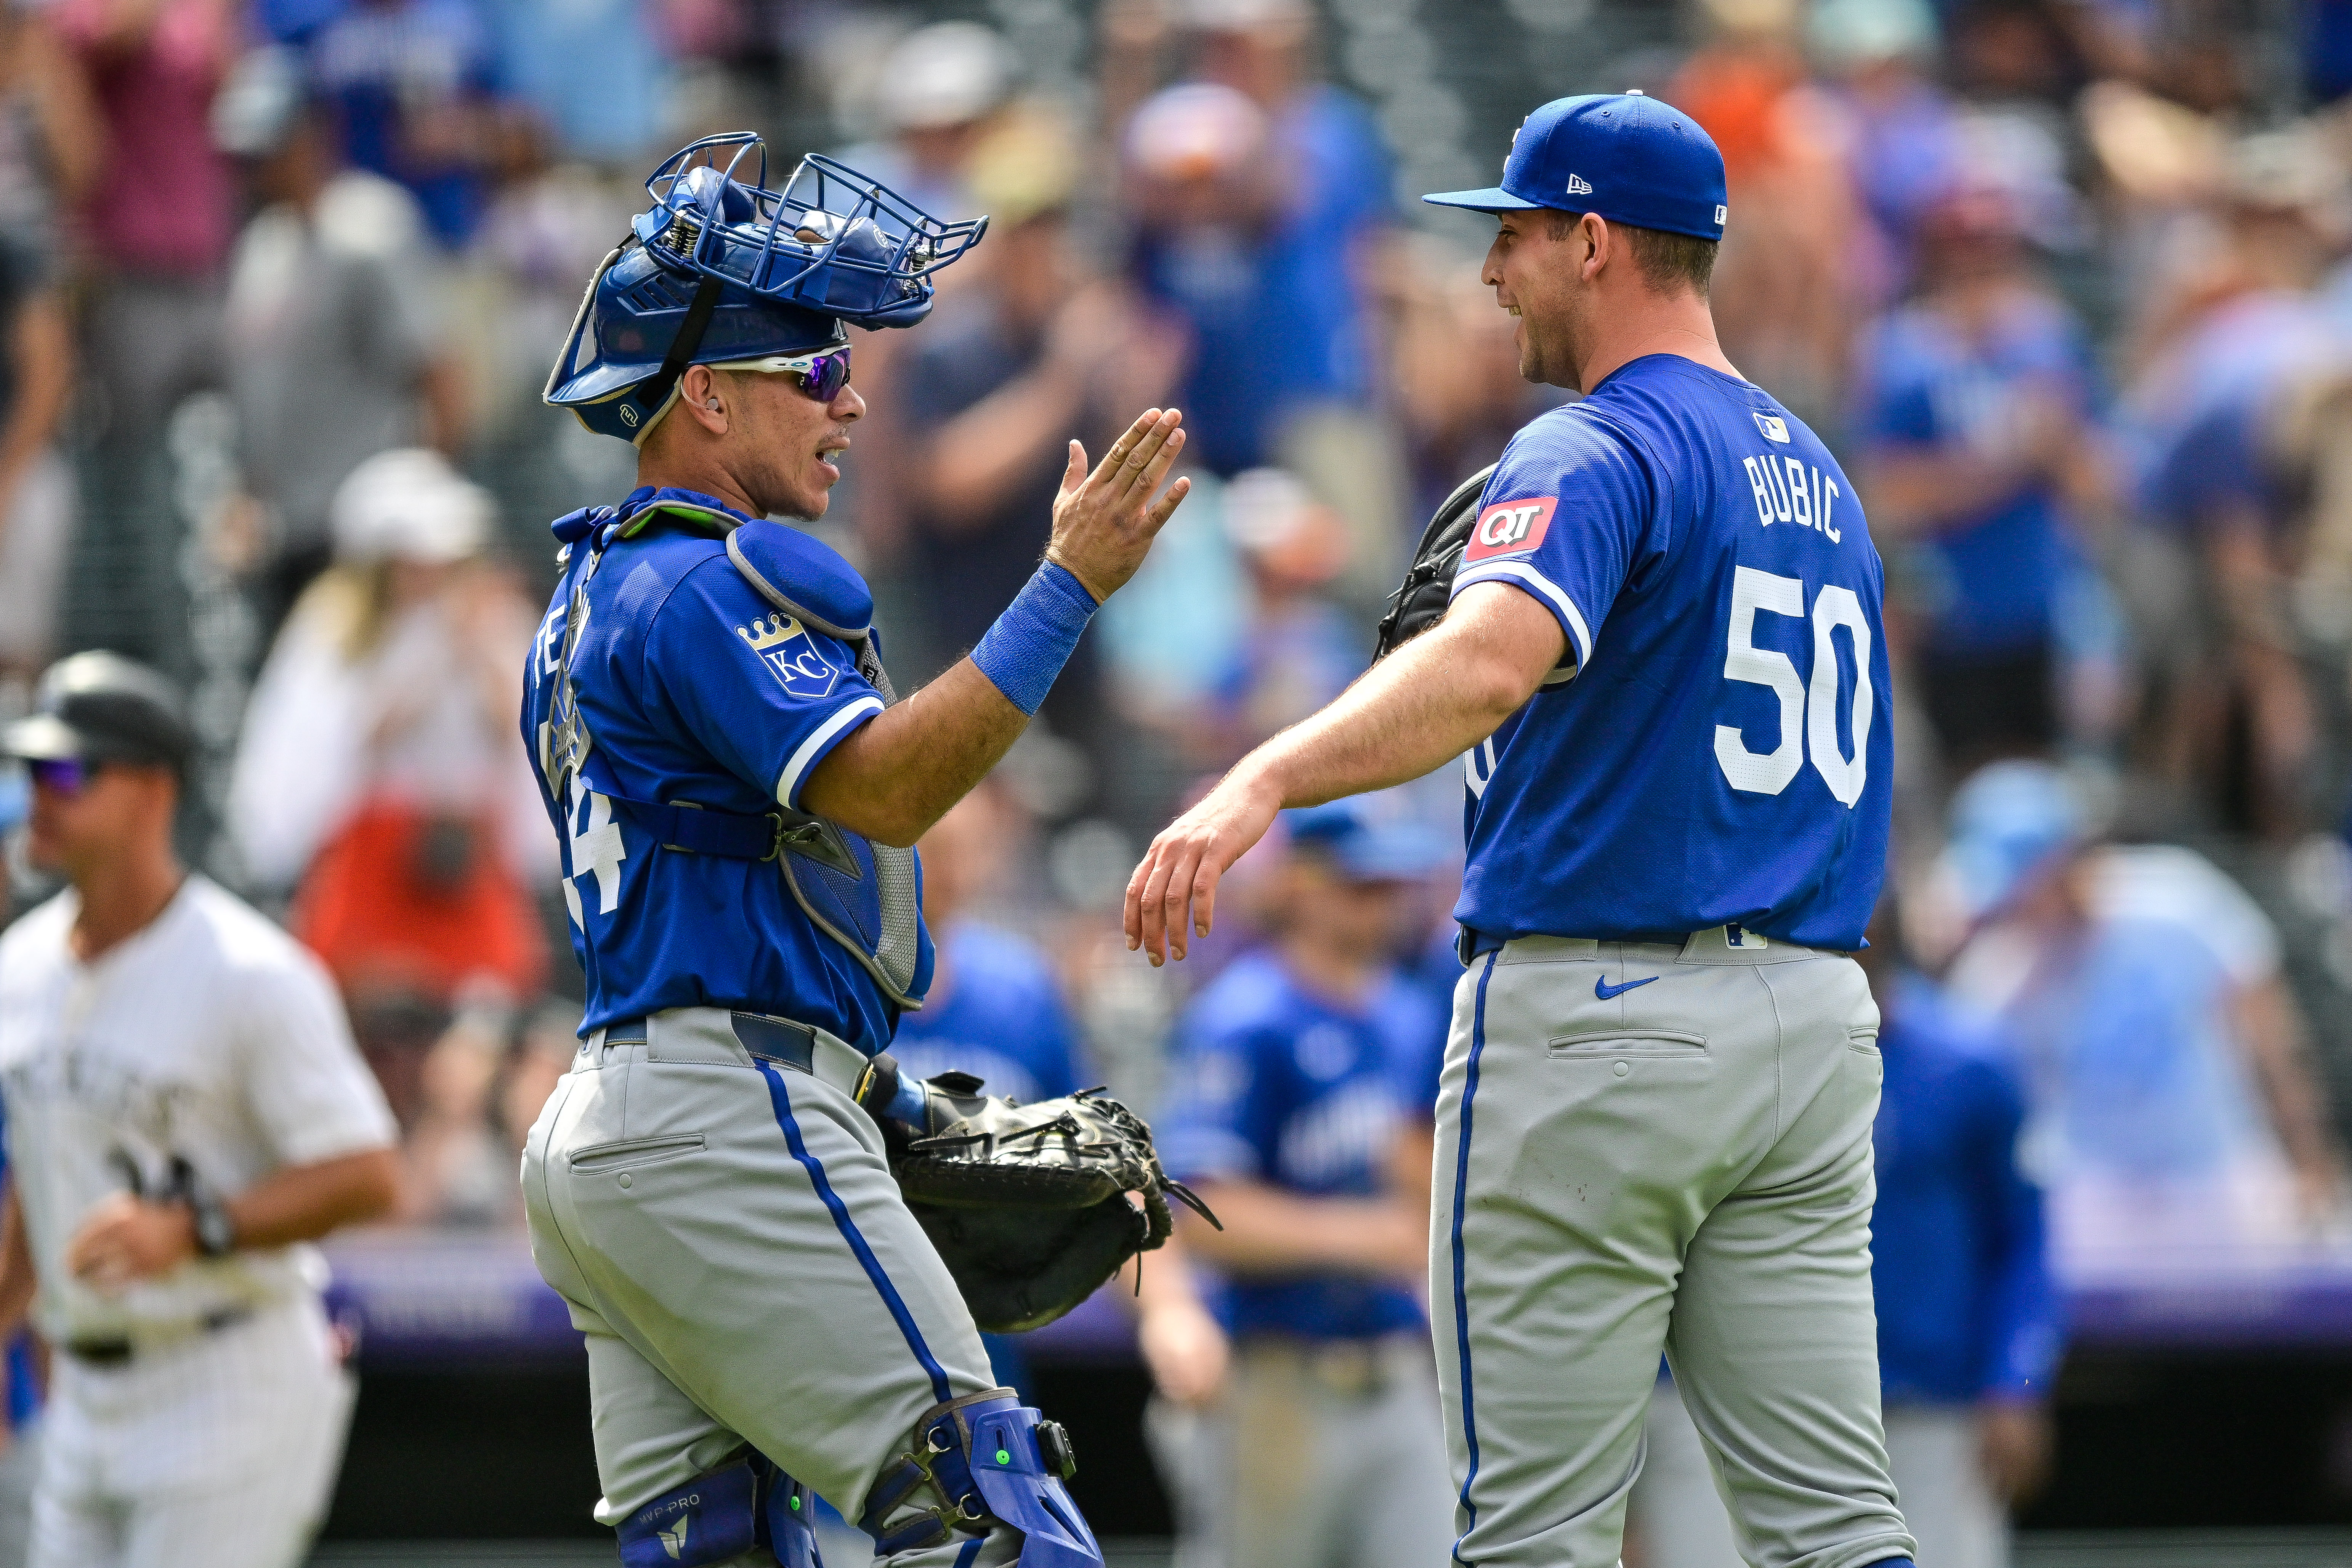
(120, 1352)
(778, 1040)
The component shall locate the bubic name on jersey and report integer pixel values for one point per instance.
(1787, 490)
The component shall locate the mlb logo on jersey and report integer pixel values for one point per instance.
(785, 645)
(1775, 428)
(1510, 527)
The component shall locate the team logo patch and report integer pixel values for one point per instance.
(1775, 428)
(1510, 527)
(785, 645)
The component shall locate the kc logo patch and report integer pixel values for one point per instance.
(1510, 527)
(785, 645)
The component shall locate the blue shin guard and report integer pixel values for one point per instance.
(719, 1516)
(977, 1463)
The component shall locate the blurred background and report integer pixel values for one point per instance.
(2067, 284)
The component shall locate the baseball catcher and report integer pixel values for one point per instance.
(736, 788)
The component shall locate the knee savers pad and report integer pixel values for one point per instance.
(719, 1516)
(977, 1463)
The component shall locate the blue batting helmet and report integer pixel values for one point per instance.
(718, 270)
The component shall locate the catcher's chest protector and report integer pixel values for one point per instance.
(864, 896)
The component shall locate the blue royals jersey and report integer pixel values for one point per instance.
(1273, 1083)
(1723, 753)
(692, 689)
(997, 1014)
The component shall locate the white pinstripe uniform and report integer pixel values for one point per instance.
(206, 1430)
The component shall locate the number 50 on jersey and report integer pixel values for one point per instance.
(1809, 709)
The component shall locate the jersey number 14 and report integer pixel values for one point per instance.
(1808, 718)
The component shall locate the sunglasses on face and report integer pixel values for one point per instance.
(66, 776)
(822, 375)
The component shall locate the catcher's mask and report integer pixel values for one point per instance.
(719, 270)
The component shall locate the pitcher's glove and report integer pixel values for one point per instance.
(1028, 1205)
(1420, 600)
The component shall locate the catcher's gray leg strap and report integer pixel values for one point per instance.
(720, 1515)
(977, 1463)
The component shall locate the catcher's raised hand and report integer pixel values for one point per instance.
(1104, 522)
(1175, 887)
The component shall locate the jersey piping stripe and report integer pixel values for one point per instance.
(788, 788)
(1520, 571)
(1461, 1271)
(779, 1099)
(970, 1552)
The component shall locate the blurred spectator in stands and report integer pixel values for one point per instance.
(1325, 1446)
(335, 349)
(1260, 197)
(1902, 141)
(379, 767)
(2230, 337)
(140, 186)
(590, 73)
(2172, 1109)
(511, 305)
(1968, 1318)
(942, 90)
(1453, 373)
(459, 1169)
(411, 84)
(1979, 455)
(1792, 263)
(37, 484)
(1033, 354)
(1297, 650)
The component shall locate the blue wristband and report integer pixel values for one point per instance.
(1031, 641)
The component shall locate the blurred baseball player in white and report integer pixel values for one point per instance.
(1664, 668)
(185, 1110)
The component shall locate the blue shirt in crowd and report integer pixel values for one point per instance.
(1992, 580)
(1281, 320)
(1965, 1308)
(388, 67)
(692, 688)
(1272, 1083)
(1001, 1019)
(1725, 751)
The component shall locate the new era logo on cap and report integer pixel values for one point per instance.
(1577, 186)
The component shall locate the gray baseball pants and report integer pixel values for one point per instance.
(1647, 1147)
(1931, 1450)
(729, 1238)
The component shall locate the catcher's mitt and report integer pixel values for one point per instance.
(1028, 1205)
(1420, 600)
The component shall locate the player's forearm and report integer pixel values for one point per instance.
(1928, 492)
(1423, 706)
(2272, 1033)
(901, 771)
(1271, 1231)
(42, 356)
(16, 1278)
(304, 1203)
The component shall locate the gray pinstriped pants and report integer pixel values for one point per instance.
(1685, 1167)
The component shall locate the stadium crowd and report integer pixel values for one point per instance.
(2067, 284)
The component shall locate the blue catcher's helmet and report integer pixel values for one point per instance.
(718, 270)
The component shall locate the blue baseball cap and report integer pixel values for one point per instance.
(1627, 157)
(1363, 847)
(2011, 822)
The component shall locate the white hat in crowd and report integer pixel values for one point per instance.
(409, 504)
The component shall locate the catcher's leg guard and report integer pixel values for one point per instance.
(718, 1517)
(980, 1463)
